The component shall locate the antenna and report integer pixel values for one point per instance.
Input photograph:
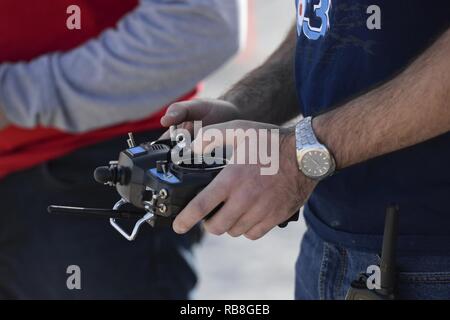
(92, 212)
(388, 253)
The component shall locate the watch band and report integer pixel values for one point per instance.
(307, 142)
(304, 134)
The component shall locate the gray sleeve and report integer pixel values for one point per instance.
(158, 52)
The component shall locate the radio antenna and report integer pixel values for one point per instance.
(388, 253)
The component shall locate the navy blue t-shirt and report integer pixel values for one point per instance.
(344, 50)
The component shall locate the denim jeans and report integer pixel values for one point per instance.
(325, 271)
(36, 248)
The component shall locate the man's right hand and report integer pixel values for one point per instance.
(209, 111)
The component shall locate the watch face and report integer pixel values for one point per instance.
(316, 163)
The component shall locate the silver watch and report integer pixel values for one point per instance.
(314, 159)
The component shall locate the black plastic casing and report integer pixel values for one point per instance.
(184, 186)
(134, 190)
(181, 183)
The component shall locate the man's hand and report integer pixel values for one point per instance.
(3, 120)
(209, 111)
(253, 204)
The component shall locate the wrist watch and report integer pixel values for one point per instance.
(314, 159)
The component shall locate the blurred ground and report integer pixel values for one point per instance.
(232, 268)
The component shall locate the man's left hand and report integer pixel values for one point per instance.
(253, 203)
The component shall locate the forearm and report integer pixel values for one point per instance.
(411, 108)
(268, 93)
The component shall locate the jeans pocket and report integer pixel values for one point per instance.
(424, 285)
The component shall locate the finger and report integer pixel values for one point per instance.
(199, 207)
(247, 221)
(270, 221)
(261, 229)
(184, 111)
(235, 206)
(174, 117)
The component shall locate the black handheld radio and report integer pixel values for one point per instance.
(153, 188)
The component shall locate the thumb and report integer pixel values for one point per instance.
(180, 112)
